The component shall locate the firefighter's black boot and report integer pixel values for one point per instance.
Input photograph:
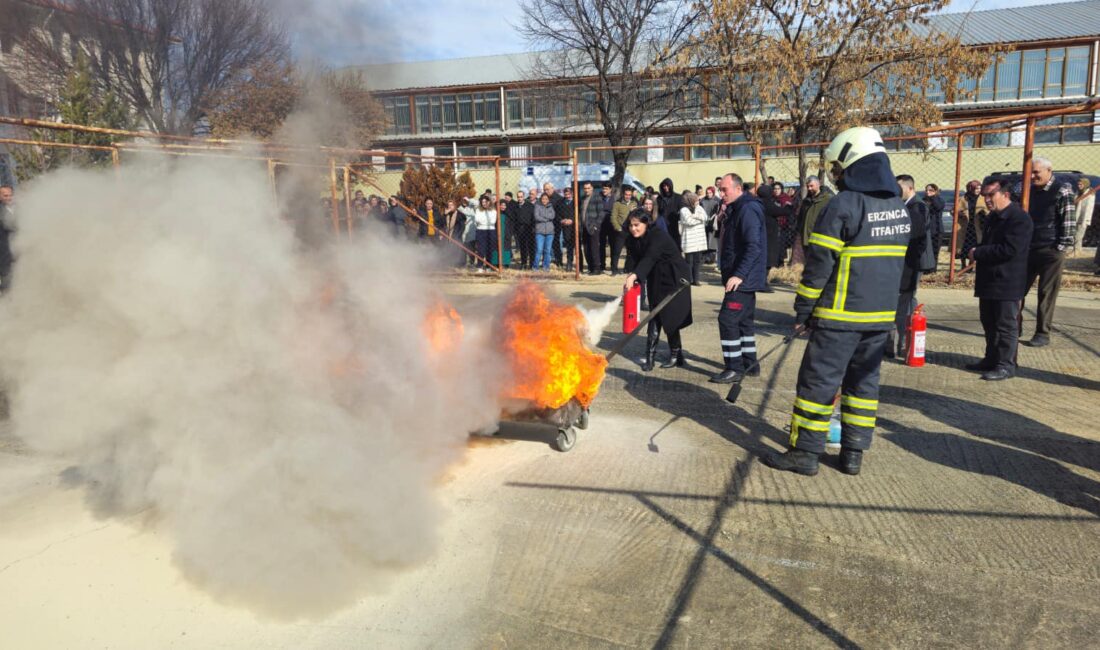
(653, 337)
(675, 359)
(851, 460)
(793, 460)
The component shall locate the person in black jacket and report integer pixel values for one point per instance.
(910, 273)
(935, 204)
(849, 288)
(1000, 281)
(669, 203)
(661, 267)
(743, 247)
(7, 227)
(773, 212)
(523, 215)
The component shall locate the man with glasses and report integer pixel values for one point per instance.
(1001, 280)
(1054, 221)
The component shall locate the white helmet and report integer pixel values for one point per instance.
(849, 146)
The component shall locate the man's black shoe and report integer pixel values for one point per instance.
(997, 374)
(981, 366)
(888, 351)
(753, 371)
(727, 377)
(793, 460)
(1038, 341)
(850, 461)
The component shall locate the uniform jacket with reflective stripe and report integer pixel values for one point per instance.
(854, 260)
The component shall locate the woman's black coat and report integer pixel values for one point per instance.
(661, 267)
(773, 210)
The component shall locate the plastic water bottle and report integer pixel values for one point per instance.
(833, 439)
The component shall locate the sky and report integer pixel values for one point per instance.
(355, 32)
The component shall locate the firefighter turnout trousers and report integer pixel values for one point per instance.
(844, 359)
(736, 329)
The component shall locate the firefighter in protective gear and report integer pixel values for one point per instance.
(847, 298)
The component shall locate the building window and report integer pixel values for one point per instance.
(1059, 130)
(466, 112)
(1077, 71)
(399, 117)
(1033, 74)
(1008, 76)
(481, 150)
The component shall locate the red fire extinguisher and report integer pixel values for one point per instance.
(632, 308)
(918, 324)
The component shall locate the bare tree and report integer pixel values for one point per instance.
(813, 67)
(165, 59)
(614, 61)
(338, 104)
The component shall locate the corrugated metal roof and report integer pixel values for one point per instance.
(1022, 24)
(470, 71)
(1019, 25)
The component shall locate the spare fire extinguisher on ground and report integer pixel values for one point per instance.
(632, 308)
(918, 325)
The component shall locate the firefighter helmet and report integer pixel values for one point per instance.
(849, 146)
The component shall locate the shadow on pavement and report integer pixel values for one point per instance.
(1028, 470)
(1029, 457)
(957, 361)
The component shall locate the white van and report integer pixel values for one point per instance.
(561, 176)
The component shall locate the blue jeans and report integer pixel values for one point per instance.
(544, 251)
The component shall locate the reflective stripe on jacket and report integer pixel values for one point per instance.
(854, 260)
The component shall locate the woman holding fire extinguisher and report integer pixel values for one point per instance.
(658, 263)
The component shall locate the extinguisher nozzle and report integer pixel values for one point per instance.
(735, 392)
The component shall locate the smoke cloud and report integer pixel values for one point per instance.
(598, 318)
(276, 411)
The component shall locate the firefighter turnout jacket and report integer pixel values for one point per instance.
(854, 260)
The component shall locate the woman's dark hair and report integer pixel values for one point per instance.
(639, 215)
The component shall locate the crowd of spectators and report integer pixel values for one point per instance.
(537, 231)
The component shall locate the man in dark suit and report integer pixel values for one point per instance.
(910, 273)
(1001, 280)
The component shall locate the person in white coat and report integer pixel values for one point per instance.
(485, 223)
(693, 234)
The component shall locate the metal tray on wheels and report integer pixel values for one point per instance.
(568, 418)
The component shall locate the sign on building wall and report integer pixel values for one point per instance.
(656, 150)
(518, 154)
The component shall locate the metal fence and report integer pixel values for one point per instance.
(941, 160)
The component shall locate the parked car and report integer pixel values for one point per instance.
(1012, 179)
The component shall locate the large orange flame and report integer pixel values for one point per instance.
(544, 341)
(442, 327)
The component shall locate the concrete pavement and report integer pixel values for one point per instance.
(975, 522)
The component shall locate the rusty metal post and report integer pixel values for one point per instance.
(335, 197)
(1029, 150)
(955, 208)
(756, 165)
(500, 215)
(271, 179)
(576, 223)
(347, 197)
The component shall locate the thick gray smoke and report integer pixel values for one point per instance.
(284, 421)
